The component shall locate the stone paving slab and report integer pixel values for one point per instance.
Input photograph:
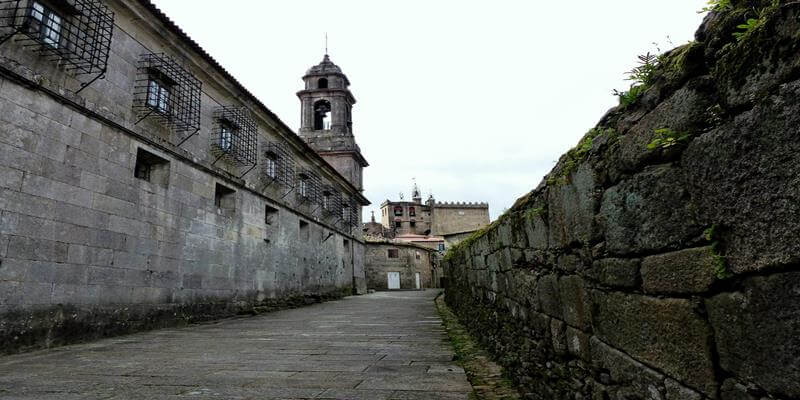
(384, 346)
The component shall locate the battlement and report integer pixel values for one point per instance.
(461, 204)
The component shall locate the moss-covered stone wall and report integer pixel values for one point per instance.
(660, 259)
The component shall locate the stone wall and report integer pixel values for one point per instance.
(410, 260)
(650, 268)
(451, 218)
(89, 250)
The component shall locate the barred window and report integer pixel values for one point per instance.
(278, 166)
(226, 136)
(271, 165)
(326, 199)
(168, 93)
(308, 186)
(47, 22)
(158, 95)
(303, 188)
(235, 135)
(75, 33)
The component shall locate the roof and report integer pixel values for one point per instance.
(172, 26)
(393, 243)
(461, 232)
(326, 66)
(419, 238)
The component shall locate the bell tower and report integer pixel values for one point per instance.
(326, 121)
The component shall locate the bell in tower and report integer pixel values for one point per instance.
(326, 122)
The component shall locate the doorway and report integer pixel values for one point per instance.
(416, 276)
(393, 280)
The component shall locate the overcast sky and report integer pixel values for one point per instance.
(474, 99)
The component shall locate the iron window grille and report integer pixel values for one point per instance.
(278, 166)
(331, 200)
(235, 135)
(354, 213)
(308, 186)
(166, 92)
(349, 214)
(345, 215)
(76, 33)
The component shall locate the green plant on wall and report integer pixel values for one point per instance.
(721, 269)
(751, 24)
(642, 76)
(747, 27)
(717, 6)
(666, 138)
(579, 154)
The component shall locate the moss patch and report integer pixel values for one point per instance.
(488, 379)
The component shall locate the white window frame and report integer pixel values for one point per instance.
(272, 166)
(226, 137)
(158, 95)
(303, 186)
(49, 22)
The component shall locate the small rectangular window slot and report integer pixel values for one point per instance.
(303, 231)
(225, 198)
(393, 253)
(152, 168)
(270, 215)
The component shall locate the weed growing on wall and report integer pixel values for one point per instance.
(666, 138)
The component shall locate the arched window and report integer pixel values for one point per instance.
(322, 83)
(322, 115)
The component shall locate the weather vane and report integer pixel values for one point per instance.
(326, 42)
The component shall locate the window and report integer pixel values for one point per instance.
(412, 211)
(47, 22)
(398, 224)
(441, 246)
(398, 211)
(142, 170)
(303, 185)
(326, 200)
(412, 224)
(271, 165)
(322, 83)
(158, 95)
(322, 115)
(393, 253)
(417, 255)
(167, 93)
(279, 166)
(75, 34)
(346, 244)
(225, 198)
(303, 232)
(270, 215)
(150, 167)
(226, 135)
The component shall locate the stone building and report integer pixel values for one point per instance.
(142, 185)
(433, 224)
(391, 264)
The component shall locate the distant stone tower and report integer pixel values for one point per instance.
(326, 121)
(416, 195)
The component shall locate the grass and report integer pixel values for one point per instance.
(487, 378)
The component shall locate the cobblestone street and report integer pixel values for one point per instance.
(387, 345)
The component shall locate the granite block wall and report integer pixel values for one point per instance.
(644, 268)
